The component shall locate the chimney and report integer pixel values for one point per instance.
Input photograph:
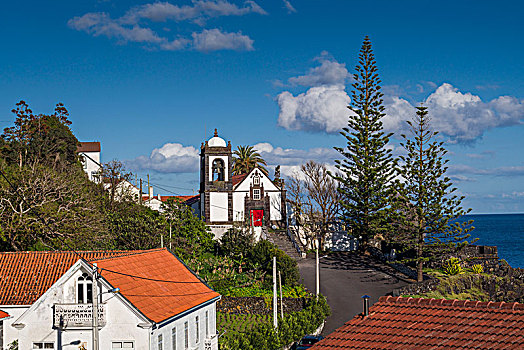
(159, 198)
(366, 305)
(150, 192)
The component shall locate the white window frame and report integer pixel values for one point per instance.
(186, 335)
(173, 338)
(256, 180)
(197, 330)
(44, 343)
(160, 342)
(82, 282)
(207, 323)
(122, 344)
(256, 194)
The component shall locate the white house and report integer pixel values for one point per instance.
(226, 198)
(161, 303)
(90, 156)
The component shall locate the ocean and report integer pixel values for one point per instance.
(506, 231)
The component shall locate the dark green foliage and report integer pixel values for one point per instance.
(263, 335)
(46, 139)
(426, 203)
(190, 235)
(133, 226)
(236, 243)
(262, 256)
(367, 167)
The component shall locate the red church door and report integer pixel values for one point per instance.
(257, 216)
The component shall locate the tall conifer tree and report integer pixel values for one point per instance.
(367, 166)
(429, 205)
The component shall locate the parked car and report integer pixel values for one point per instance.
(307, 342)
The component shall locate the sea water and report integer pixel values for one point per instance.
(506, 231)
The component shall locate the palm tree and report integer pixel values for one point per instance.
(246, 158)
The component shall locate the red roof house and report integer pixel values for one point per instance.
(49, 296)
(417, 323)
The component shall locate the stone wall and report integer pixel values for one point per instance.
(257, 305)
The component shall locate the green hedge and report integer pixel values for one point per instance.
(263, 336)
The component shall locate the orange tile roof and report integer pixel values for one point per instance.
(416, 323)
(25, 276)
(3, 314)
(154, 293)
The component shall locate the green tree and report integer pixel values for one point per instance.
(367, 168)
(43, 207)
(245, 158)
(42, 138)
(190, 235)
(426, 200)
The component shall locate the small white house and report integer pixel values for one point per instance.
(89, 153)
(161, 304)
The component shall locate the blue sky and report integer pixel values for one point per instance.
(151, 80)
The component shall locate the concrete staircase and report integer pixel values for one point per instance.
(282, 241)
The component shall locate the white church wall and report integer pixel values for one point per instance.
(238, 205)
(218, 207)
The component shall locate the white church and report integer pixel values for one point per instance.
(251, 198)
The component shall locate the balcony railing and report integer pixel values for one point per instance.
(77, 315)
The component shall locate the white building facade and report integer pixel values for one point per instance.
(61, 318)
(89, 153)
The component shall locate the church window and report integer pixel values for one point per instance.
(256, 180)
(218, 170)
(84, 289)
(256, 194)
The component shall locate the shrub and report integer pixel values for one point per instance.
(262, 256)
(263, 336)
(477, 268)
(452, 267)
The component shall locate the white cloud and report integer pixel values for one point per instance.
(330, 72)
(199, 10)
(292, 156)
(465, 117)
(101, 24)
(289, 7)
(214, 39)
(170, 158)
(132, 28)
(321, 108)
(462, 117)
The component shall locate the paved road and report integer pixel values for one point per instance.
(344, 279)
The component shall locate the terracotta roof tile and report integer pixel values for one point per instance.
(413, 323)
(154, 293)
(88, 147)
(25, 276)
(236, 179)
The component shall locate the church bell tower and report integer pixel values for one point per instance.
(216, 187)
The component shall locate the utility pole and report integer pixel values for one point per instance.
(140, 194)
(170, 240)
(317, 272)
(281, 305)
(94, 298)
(275, 321)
